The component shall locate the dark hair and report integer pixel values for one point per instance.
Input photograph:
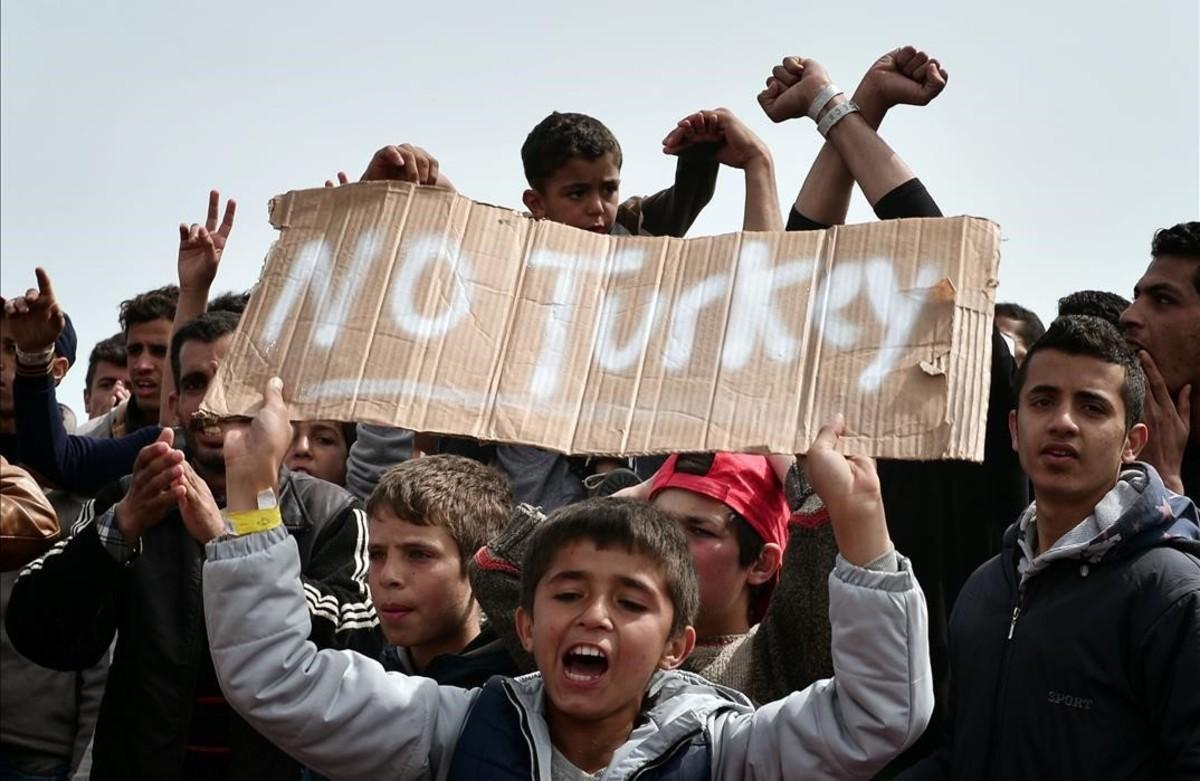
(1097, 303)
(1030, 327)
(1181, 241)
(1095, 338)
(560, 137)
(750, 544)
(230, 302)
(111, 349)
(207, 328)
(149, 306)
(472, 501)
(349, 433)
(629, 524)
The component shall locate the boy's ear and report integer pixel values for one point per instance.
(534, 203)
(1135, 440)
(524, 623)
(765, 567)
(678, 649)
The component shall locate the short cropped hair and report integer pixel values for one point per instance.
(560, 137)
(1097, 303)
(230, 302)
(1030, 327)
(629, 524)
(1095, 338)
(473, 502)
(207, 328)
(149, 306)
(1180, 241)
(111, 349)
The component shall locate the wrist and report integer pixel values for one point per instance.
(35, 356)
(871, 105)
(129, 528)
(835, 101)
(758, 162)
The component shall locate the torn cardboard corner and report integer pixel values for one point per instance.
(416, 307)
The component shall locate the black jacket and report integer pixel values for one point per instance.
(1098, 674)
(67, 606)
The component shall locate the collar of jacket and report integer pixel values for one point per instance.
(677, 707)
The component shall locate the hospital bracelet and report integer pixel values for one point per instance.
(835, 115)
(251, 521)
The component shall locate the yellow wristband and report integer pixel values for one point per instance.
(250, 521)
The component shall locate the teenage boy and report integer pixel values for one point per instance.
(1074, 652)
(146, 323)
(428, 517)
(606, 611)
(130, 570)
(1163, 325)
(746, 544)
(107, 382)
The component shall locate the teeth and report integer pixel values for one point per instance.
(586, 650)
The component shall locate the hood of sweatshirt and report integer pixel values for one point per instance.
(1138, 513)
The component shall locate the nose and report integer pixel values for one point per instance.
(300, 445)
(1063, 421)
(392, 574)
(595, 205)
(142, 363)
(1131, 318)
(595, 613)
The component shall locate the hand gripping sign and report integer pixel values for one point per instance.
(417, 307)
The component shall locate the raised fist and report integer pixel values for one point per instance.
(736, 146)
(903, 76)
(791, 88)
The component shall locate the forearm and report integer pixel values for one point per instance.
(193, 302)
(762, 196)
(825, 195)
(877, 169)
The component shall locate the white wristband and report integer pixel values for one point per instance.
(827, 93)
(835, 115)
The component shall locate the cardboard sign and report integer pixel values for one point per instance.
(417, 307)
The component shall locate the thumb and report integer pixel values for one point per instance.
(830, 433)
(45, 288)
(1185, 403)
(167, 435)
(273, 394)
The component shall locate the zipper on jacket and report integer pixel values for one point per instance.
(667, 755)
(1015, 615)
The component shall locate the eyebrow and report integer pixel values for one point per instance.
(193, 377)
(1157, 287)
(624, 580)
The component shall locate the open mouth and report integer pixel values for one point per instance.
(1060, 452)
(584, 663)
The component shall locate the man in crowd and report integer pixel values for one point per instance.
(146, 323)
(130, 570)
(107, 381)
(1163, 324)
(1073, 652)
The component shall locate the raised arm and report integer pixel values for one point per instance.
(79, 464)
(902, 76)
(735, 146)
(200, 250)
(322, 707)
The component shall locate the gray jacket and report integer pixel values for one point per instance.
(343, 715)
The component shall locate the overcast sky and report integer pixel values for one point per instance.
(1076, 129)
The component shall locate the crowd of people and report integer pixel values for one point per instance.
(188, 598)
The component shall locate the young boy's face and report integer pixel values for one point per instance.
(599, 628)
(420, 589)
(724, 582)
(582, 193)
(1069, 427)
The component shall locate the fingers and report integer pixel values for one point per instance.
(214, 200)
(915, 64)
(827, 438)
(408, 164)
(45, 288)
(342, 178)
(227, 220)
(903, 56)
(1154, 378)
